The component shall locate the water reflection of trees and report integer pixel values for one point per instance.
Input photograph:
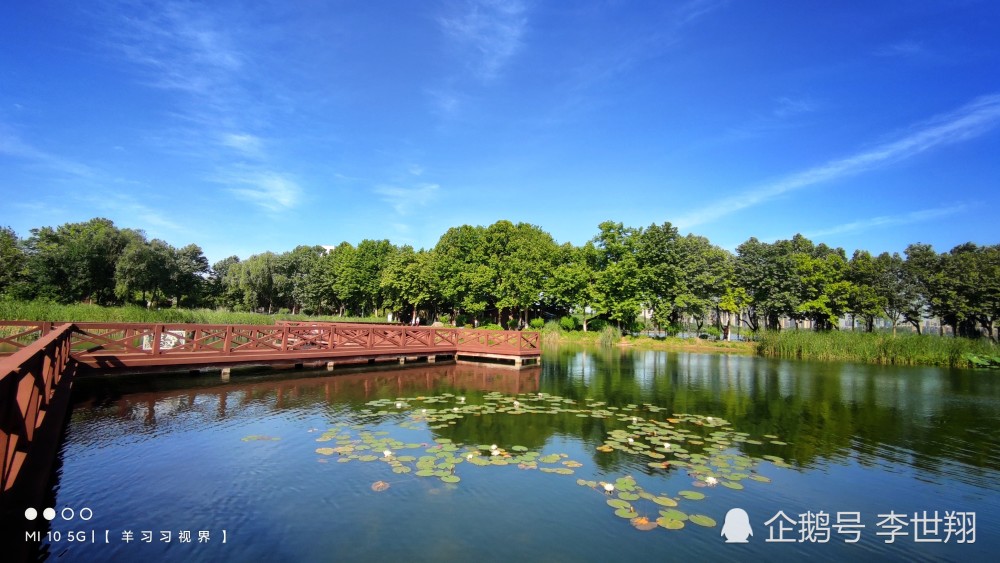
(926, 418)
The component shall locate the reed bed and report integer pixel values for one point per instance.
(879, 348)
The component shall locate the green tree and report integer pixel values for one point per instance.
(75, 261)
(12, 259)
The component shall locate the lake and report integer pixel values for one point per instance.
(494, 464)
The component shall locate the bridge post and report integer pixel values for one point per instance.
(225, 374)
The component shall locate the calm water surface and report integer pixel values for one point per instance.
(191, 454)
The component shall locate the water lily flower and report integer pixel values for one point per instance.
(634, 419)
(608, 487)
(387, 453)
(666, 446)
(493, 447)
(630, 440)
(461, 399)
(399, 405)
(712, 481)
(469, 457)
(494, 452)
(516, 404)
(710, 419)
(423, 411)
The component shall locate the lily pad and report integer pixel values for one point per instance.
(325, 451)
(618, 503)
(664, 501)
(626, 513)
(628, 496)
(451, 478)
(673, 514)
(702, 520)
(669, 524)
(732, 485)
(692, 495)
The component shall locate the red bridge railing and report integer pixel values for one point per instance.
(117, 345)
(28, 380)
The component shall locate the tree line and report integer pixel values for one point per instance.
(509, 274)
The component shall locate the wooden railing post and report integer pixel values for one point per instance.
(227, 344)
(157, 333)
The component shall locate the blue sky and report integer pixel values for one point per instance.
(247, 127)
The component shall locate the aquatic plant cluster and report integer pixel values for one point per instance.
(705, 448)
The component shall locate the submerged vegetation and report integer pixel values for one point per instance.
(879, 348)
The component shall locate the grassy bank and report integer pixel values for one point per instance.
(877, 348)
(47, 311)
(643, 342)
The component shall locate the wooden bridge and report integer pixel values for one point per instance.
(39, 359)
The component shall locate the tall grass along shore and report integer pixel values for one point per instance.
(879, 348)
(46, 311)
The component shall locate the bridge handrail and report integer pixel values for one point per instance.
(28, 379)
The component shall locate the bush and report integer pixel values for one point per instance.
(568, 323)
(537, 323)
(711, 332)
(596, 325)
(490, 326)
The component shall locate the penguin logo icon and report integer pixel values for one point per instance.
(737, 526)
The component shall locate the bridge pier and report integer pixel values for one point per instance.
(225, 373)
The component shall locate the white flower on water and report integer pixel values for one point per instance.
(423, 411)
(469, 457)
(712, 481)
(454, 409)
(710, 419)
(494, 452)
(399, 405)
(634, 420)
(608, 487)
(666, 446)
(387, 453)
(461, 399)
(630, 440)
(493, 447)
(516, 404)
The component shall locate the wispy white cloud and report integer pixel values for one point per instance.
(889, 221)
(244, 142)
(124, 205)
(973, 119)
(900, 49)
(13, 146)
(269, 190)
(180, 46)
(405, 200)
(787, 107)
(491, 29)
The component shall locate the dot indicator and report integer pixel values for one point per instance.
(49, 513)
(31, 514)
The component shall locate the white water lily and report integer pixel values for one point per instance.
(469, 457)
(608, 487)
(712, 481)
(517, 404)
(630, 440)
(387, 453)
(461, 399)
(493, 447)
(399, 405)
